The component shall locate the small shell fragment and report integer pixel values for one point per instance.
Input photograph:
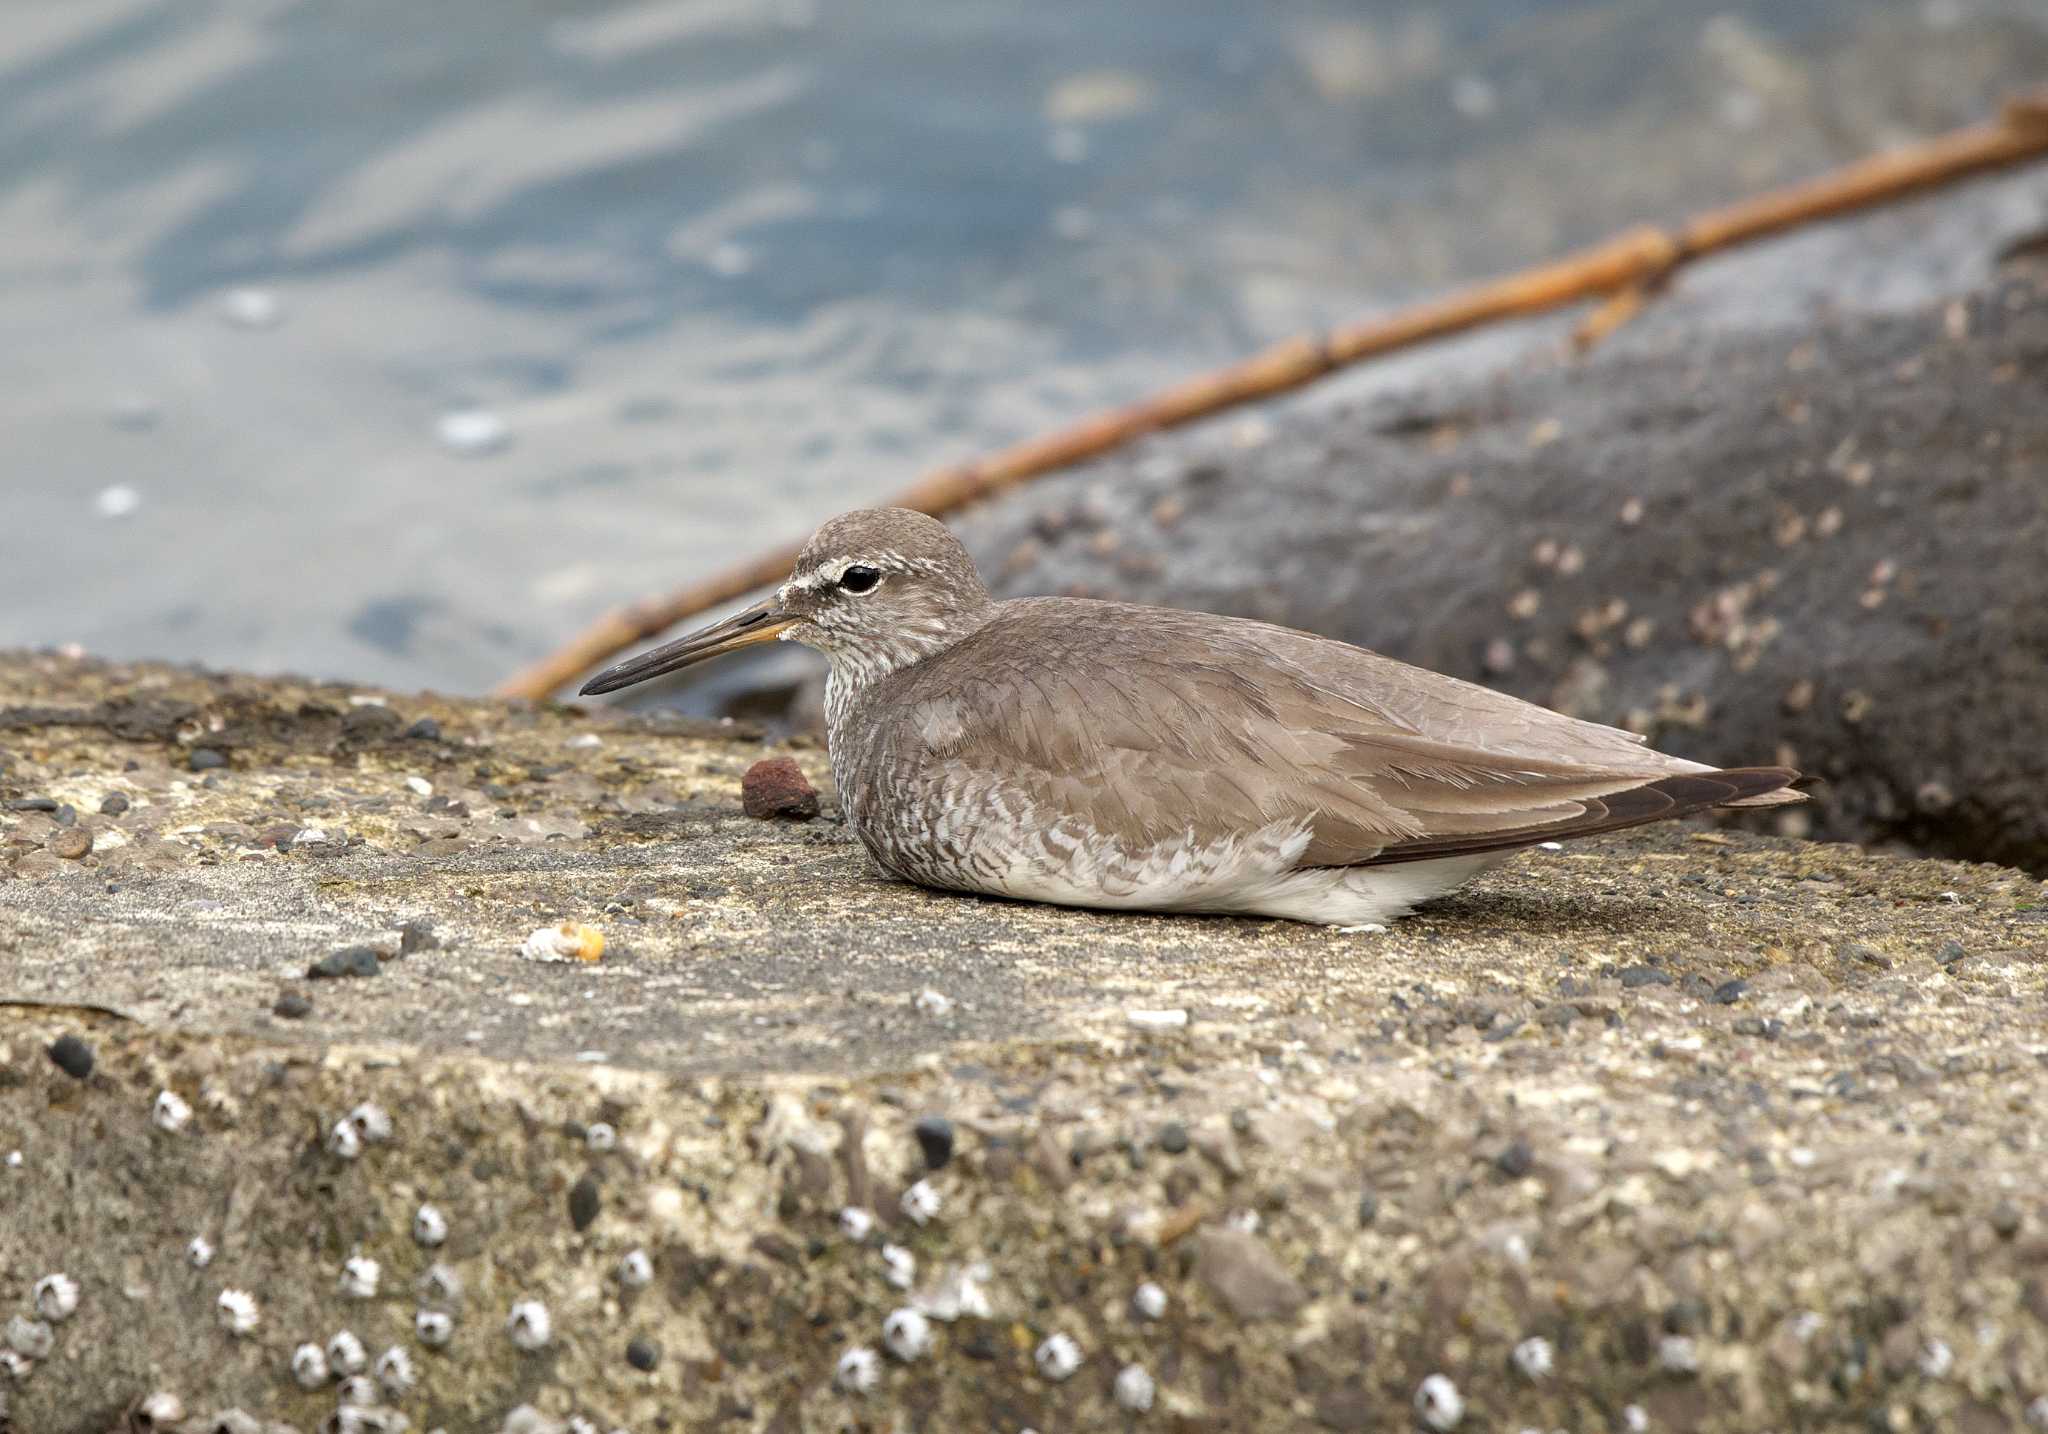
(237, 1311)
(921, 1203)
(170, 1112)
(570, 941)
(56, 1297)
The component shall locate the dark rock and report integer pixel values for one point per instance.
(1515, 1161)
(348, 961)
(205, 759)
(114, 805)
(1769, 1028)
(72, 1056)
(292, 1006)
(1368, 1208)
(32, 804)
(2006, 1219)
(424, 730)
(643, 1354)
(1729, 992)
(1812, 547)
(1173, 1137)
(584, 1201)
(1950, 952)
(417, 936)
(935, 1138)
(67, 815)
(1634, 976)
(777, 787)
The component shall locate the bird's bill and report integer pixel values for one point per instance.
(760, 623)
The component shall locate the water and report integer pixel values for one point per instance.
(395, 341)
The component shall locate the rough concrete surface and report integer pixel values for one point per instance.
(1747, 1132)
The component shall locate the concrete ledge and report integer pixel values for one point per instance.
(1747, 1132)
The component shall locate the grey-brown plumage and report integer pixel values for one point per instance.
(1102, 754)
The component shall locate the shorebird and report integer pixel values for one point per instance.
(1103, 754)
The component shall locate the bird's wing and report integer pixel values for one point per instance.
(1152, 725)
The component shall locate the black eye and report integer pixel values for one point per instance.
(860, 578)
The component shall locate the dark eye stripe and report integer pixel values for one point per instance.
(859, 578)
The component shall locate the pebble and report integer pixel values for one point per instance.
(71, 843)
(71, 1056)
(1729, 992)
(1634, 976)
(2006, 1219)
(584, 1202)
(424, 730)
(1173, 1137)
(777, 787)
(643, 1354)
(1950, 953)
(113, 805)
(1515, 1161)
(291, 1006)
(205, 759)
(349, 961)
(935, 1138)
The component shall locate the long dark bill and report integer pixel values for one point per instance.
(759, 623)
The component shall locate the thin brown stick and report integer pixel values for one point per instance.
(1635, 260)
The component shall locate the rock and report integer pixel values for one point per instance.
(113, 804)
(777, 787)
(71, 1056)
(584, 1202)
(1246, 1275)
(1797, 542)
(71, 843)
(205, 759)
(291, 1006)
(349, 961)
(935, 1138)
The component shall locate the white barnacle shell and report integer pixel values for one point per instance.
(529, 1325)
(1149, 1300)
(395, 1372)
(920, 1202)
(636, 1269)
(1135, 1388)
(1936, 1359)
(199, 1252)
(429, 1226)
(1438, 1403)
(601, 1137)
(907, 1334)
(372, 1122)
(525, 1419)
(1058, 1356)
(858, 1370)
(899, 1266)
(440, 1285)
(344, 1141)
(359, 1277)
(1534, 1357)
(56, 1297)
(237, 1312)
(30, 1338)
(309, 1366)
(17, 1367)
(856, 1222)
(158, 1411)
(346, 1354)
(170, 1112)
(433, 1328)
(358, 1391)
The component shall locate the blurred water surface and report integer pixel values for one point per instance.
(394, 341)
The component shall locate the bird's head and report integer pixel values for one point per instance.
(874, 590)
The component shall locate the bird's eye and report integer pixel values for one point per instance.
(860, 578)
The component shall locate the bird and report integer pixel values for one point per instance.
(1090, 753)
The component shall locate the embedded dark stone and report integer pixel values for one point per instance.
(1729, 992)
(348, 961)
(114, 805)
(935, 1138)
(292, 1006)
(205, 759)
(71, 1056)
(1516, 1161)
(584, 1202)
(424, 730)
(1173, 1137)
(643, 1354)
